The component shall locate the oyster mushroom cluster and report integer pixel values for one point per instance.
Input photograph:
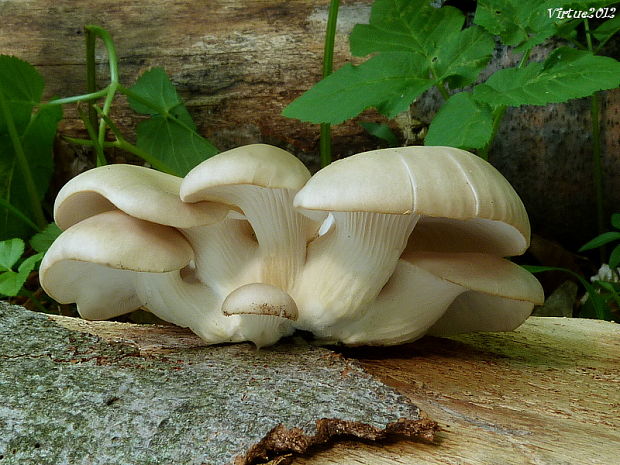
(379, 248)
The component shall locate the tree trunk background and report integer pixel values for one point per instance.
(238, 63)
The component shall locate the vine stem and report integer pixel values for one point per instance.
(325, 144)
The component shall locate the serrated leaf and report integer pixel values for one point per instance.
(380, 131)
(10, 252)
(600, 240)
(565, 75)
(461, 122)
(22, 87)
(433, 34)
(42, 241)
(177, 145)
(388, 82)
(405, 26)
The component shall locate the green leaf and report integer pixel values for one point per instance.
(155, 87)
(601, 310)
(381, 131)
(388, 82)
(406, 26)
(461, 122)
(11, 282)
(170, 134)
(614, 257)
(22, 87)
(433, 34)
(37, 141)
(615, 220)
(606, 30)
(565, 75)
(42, 241)
(10, 251)
(178, 146)
(598, 241)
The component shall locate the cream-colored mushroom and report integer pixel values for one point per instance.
(376, 200)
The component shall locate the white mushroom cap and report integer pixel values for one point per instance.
(436, 182)
(93, 263)
(141, 192)
(265, 312)
(500, 294)
(261, 181)
(257, 164)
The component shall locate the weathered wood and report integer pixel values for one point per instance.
(238, 63)
(547, 393)
(158, 395)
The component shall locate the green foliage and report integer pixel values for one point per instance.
(417, 46)
(380, 131)
(566, 74)
(26, 138)
(11, 251)
(606, 238)
(169, 134)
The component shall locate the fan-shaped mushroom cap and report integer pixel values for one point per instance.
(500, 294)
(257, 164)
(94, 262)
(138, 191)
(435, 182)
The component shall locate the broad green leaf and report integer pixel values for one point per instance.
(565, 75)
(461, 122)
(42, 241)
(11, 282)
(154, 86)
(22, 87)
(460, 60)
(179, 146)
(601, 240)
(606, 30)
(614, 257)
(405, 26)
(615, 220)
(388, 82)
(380, 131)
(433, 34)
(37, 142)
(170, 134)
(10, 251)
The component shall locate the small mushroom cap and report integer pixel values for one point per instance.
(258, 164)
(141, 192)
(92, 262)
(260, 299)
(438, 182)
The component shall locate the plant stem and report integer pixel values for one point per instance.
(325, 145)
(22, 162)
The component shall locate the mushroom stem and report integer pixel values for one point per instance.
(225, 254)
(348, 265)
(281, 232)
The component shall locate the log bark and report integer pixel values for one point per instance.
(69, 395)
(238, 63)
